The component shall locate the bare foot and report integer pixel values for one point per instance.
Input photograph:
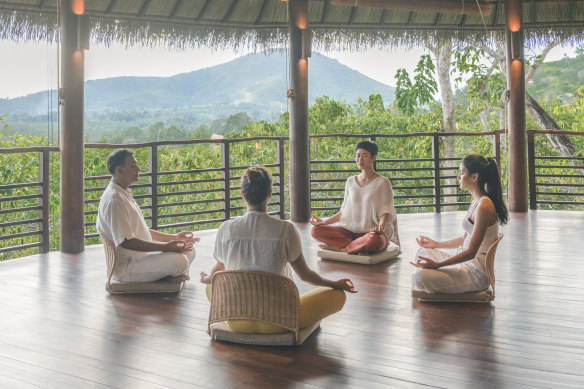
(177, 279)
(324, 246)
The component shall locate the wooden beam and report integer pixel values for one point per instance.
(71, 93)
(175, 9)
(517, 168)
(144, 7)
(203, 9)
(324, 11)
(261, 13)
(298, 106)
(230, 11)
(471, 7)
(111, 6)
(497, 4)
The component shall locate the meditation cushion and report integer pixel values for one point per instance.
(115, 287)
(221, 331)
(392, 251)
(479, 296)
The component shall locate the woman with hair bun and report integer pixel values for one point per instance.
(258, 242)
(440, 272)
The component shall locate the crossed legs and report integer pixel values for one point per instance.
(315, 305)
(155, 266)
(340, 238)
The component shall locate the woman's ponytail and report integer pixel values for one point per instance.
(494, 190)
(489, 181)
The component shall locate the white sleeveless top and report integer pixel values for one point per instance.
(491, 234)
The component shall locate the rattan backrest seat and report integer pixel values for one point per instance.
(252, 295)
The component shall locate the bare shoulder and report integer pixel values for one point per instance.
(486, 210)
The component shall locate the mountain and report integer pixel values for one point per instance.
(558, 79)
(255, 83)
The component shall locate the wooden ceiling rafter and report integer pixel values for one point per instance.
(352, 15)
(462, 20)
(110, 7)
(229, 12)
(382, 18)
(324, 11)
(474, 7)
(261, 13)
(203, 9)
(496, 13)
(144, 7)
(177, 5)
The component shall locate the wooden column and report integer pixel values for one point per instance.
(298, 107)
(71, 129)
(517, 168)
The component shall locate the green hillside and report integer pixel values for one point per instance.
(558, 79)
(255, 84)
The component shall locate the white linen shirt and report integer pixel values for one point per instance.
(258, 242)
(363, 207)
(120, 218)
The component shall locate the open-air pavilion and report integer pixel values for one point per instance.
(61, 328)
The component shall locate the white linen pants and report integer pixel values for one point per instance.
(154, 266)
(460, 278)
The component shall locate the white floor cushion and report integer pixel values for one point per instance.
(221, 331)
(370, 259)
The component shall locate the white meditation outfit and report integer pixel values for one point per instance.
(258, 242)
(363, 207)
(463, 277)
(120, 218)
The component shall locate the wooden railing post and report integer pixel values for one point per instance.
(498, 149)
(531, 169)
(436, 162)
(372, 138)
(44, 175)
(226, 181)
(154, 186)
(280, 159)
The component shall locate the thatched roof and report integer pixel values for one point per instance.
(262, 24)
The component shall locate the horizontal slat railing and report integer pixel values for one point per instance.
(424, 183)
(206, 196)
(554, 180)
(24, 215)
(191, 198)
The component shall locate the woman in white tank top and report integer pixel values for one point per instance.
(441, 272)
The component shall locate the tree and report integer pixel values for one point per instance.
(562, 143)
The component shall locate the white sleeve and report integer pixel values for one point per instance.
(385, 201)
(218, 250)
(293, 243)
(345, 197)
(118, 219)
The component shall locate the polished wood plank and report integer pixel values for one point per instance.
(61, 329)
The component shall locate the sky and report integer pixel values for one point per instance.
(31, 67)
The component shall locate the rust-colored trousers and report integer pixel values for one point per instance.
(356, 243)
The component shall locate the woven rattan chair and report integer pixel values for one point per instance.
(250, 295)
(118, 287)
(483, 296)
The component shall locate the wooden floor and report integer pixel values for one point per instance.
(60, 329)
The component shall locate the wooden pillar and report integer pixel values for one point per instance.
(298, 107)
(71, 129)
(517, 168)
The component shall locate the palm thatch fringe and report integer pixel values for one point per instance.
(29, 26)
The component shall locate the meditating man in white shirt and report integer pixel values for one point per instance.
(365, 220)
(142, 254)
